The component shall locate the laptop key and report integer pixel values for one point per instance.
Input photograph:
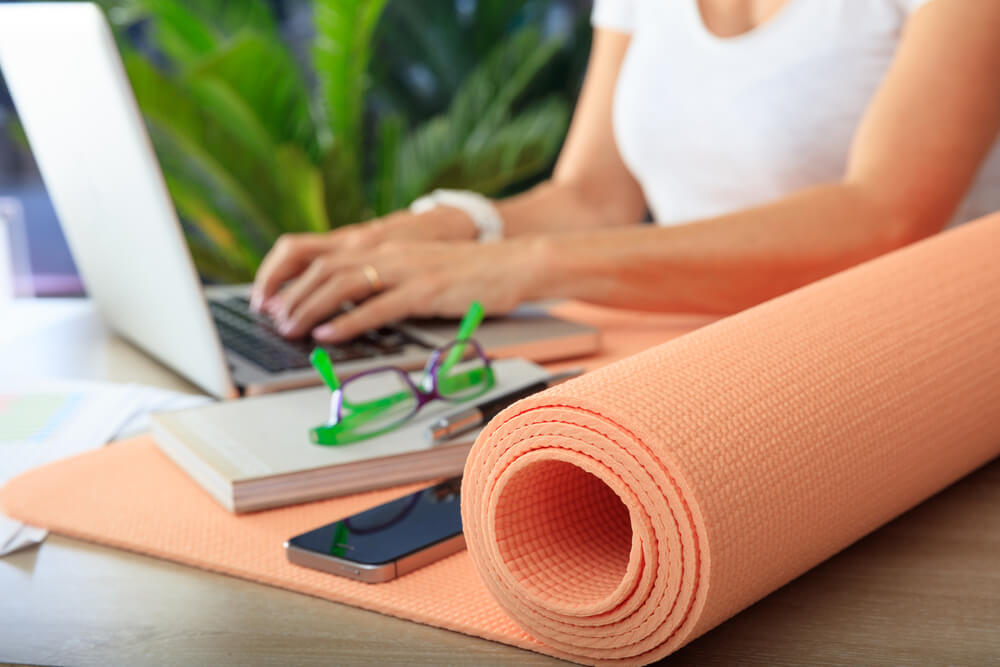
(252, 335)
(268, 354)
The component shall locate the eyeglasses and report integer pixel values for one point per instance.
(379, 400)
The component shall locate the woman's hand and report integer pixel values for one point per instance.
(398, 279)
(293, 253)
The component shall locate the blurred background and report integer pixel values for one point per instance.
(273, 116)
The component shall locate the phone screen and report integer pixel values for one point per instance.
(391, 531)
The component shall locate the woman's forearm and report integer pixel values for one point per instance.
(554, 207)
(723, 264)
(548, 208)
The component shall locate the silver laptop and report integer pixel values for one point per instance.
(66, 77)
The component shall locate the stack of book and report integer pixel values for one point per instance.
(256, 453)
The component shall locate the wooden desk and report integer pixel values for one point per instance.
(924, 590)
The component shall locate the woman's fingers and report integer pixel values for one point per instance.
(290, 255)
(418, 279)
(325, 300)
(294, 252)
(336, 277)
(283, 304)
(389, 306)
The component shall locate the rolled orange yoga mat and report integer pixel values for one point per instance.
(619, 516)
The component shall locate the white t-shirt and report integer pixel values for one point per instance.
(711, 125)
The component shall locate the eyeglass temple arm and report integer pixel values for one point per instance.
(470, 322)
(321, 362)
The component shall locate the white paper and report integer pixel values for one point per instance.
(15, 535)
(43, 421)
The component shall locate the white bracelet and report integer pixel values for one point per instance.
(484, 214)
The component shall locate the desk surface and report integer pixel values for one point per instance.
(923, 590)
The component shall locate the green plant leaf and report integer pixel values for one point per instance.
(210, 92)
(341, 53)
(491, 22)
(481, 107)
(250, 150)
(198, 197)
(211, 266)
(342, 191)
(256, 76)
(227, 18)
(432, 30)
(422, 156)
(189, 31)
(303, 187)
(426, 49)
(518, 150)
(252, 84)
(488, 96)
(197, 211)
(385, 183)
(205, 143)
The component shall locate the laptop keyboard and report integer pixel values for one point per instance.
(252, 335)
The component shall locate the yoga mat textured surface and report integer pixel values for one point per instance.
(618, 516)
(621, 515)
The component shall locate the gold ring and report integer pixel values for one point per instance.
(373, 278)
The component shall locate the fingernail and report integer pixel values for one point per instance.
(255, 303)
(286, 327)
(325, 332)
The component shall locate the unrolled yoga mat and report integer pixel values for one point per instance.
(618, 516)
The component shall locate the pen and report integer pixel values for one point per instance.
(477, 415)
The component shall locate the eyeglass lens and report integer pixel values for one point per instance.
(374, 402)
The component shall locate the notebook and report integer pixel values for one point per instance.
(255, 453)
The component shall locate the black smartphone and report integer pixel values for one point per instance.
(387, 541)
